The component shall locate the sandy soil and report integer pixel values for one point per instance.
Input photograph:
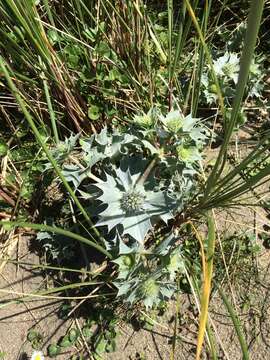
(18, 317)
(250, 298)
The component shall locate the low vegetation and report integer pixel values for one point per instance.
(121, 143)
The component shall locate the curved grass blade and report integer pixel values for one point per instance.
(46, 293)
(207, 53)
(13, 224)
(58, 171)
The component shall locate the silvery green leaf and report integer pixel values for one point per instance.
(61, 151)
(125, 178)
(123, 288)
(102, 137)
(111, 216)
(167, 290)
(157, 199)
(71, 142)
(162, 202)
(92, 157)
(176, 263)
(109, 189)
(74, 174)
(132, 296)
(149, 302)
(86, 144)
(198, 135)
(227, 66)
(42, 235)
(114, 148)
(137, 226)
(164, 247)
(124, 249)
(189, 123)
(150, 147)
(204, 80)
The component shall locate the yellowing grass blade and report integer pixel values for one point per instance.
(206, 283)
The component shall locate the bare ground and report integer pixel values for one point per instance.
(250, 298)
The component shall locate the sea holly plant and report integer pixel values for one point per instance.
(226, 68)
(149, 275)
(136, 183)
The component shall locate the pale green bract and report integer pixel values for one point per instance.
(173, 121)
(145, 120)
(228, 66)
(130, 205)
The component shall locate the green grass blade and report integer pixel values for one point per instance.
(50, 107)
(253, 25)
(57, 230)
(43, 145)
(200, 66)
(207, 53)
(236, 323)
(179, 43)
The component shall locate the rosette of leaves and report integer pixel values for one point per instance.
(112, 146)
(131, 206)
(149, 276)
(184, 137)
(175, 139)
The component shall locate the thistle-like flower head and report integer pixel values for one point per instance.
(228, 66)
(131, 205)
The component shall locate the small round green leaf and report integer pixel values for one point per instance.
(53, 350)
(65, 342)
(93, 112)
(73, 335)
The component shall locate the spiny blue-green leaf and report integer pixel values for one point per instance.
(74, 174)
(130, 205)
